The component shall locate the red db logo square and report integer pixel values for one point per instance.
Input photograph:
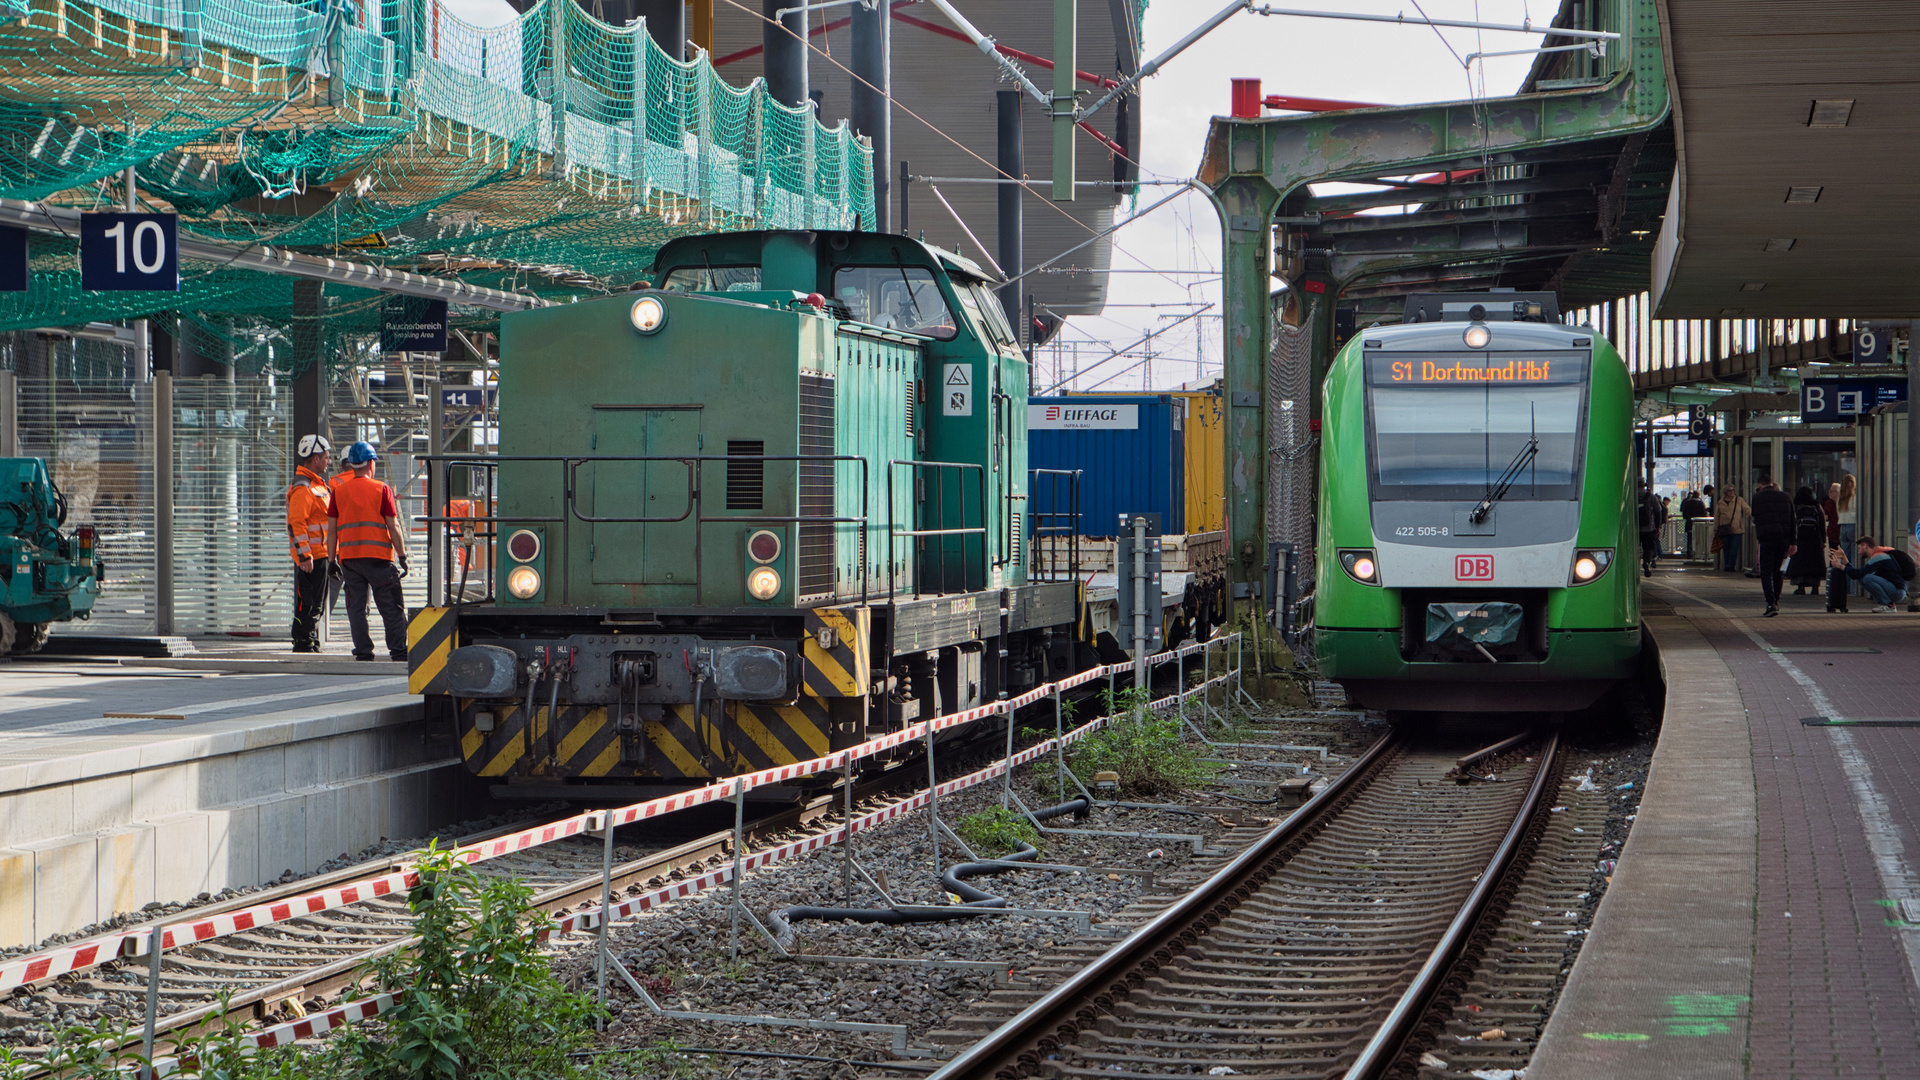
(1473, 567)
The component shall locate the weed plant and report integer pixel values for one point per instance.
(997, 830)
(1148, 750)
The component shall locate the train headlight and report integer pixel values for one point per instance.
(1589, 564)
(524, 582)
(1360, 566)
(1477, 336)
(763, 583)
(648, 314)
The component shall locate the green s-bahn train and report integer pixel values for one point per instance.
(1476, 528)
(766, 508)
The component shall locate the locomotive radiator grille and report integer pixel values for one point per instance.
(817, 550)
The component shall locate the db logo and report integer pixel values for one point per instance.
(1053, 412)
(1473, 567)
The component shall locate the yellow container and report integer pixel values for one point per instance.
(1205, 449)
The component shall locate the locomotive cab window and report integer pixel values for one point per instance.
(1446, 426)
(712, 279)
(985, 307)
(903, 298)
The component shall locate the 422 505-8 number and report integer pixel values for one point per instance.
(1421, 530)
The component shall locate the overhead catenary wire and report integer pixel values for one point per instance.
(1122, 351)
(962, 147)
(958, 220)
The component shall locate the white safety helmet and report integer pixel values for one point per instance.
(314, 444)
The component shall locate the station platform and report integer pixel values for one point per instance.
(123, 784)
(1764, 917)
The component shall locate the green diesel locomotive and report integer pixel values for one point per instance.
(767, 507)
(1476, 529)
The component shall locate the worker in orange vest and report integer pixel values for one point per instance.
(308, 501)
(363, 532)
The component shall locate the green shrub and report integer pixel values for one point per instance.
(1149, 751)
(481, 1001)
(997, 830)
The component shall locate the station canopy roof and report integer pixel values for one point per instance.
(1798, 156)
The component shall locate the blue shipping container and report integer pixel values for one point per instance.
(1129, 450)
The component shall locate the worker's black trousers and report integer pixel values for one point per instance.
(382, 579)
(309, 599)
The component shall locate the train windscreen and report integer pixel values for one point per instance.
(1447, 426)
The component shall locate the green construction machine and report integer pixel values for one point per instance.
(46, 575)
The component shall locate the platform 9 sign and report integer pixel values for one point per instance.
(130, 252)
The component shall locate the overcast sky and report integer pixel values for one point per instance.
(1326, 58)
(1351, 61)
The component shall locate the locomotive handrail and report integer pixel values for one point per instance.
(894, 530)
(570, 511)
(1054, 529)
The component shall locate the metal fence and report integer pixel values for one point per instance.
(232, 455)
(97, 440)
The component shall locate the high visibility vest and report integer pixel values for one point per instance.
(362, 531)
(307, 502)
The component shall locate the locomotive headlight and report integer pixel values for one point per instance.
(524, 582)
(1589, 564)
(1359, 565)
(1477, 336)
(763, 583)
(648, 314)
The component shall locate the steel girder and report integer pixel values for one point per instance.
(1254, 167)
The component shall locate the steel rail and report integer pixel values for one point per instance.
(1018, 1045)
(1384, 1048)
(335, 975)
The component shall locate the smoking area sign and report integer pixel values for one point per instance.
(956, 390)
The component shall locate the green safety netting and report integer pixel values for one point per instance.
(552, 154)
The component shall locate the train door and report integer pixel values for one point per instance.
(645, 553)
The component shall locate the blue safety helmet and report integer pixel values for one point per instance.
(359, 453)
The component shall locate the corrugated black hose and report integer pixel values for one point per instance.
(781, 921)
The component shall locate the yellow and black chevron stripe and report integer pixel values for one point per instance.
(836, 652)
(430, 637)
(587, 744)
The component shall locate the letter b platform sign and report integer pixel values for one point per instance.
(130, 252)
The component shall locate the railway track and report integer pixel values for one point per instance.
(1316, 952)
(276, 971)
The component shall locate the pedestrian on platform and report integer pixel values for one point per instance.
(1807, 569)
(363, 532)
(1848, 513)
(1880, 572)
(1692, 508)
(1650, 515)
(308, 502)
(1773, 532)
(1730, 514)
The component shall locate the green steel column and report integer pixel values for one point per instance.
(1065, 60)
(1246, 202)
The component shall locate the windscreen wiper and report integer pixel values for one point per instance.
(1498, 489)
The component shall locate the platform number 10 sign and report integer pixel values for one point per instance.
(130, 252)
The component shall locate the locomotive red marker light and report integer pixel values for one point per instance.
(764, 546)
(523, 545)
